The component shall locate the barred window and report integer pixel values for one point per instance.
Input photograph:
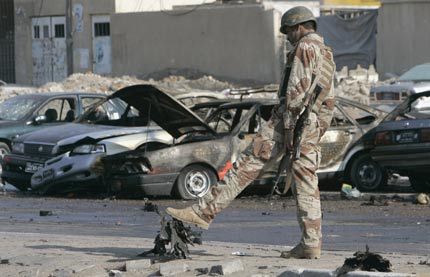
(36, 30)
(59, 31)
(102, 29)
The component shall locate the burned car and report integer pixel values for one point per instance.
(197, 161)
(401, 143)
(108, 127)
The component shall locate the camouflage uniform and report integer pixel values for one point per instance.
(264, 152)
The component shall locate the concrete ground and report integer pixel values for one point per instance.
(32, 254)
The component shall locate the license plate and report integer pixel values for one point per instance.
(407, 137)
(31, 167)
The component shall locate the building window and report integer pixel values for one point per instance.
(36, 30)
(102, 29)
(59, 31)
(45, 31)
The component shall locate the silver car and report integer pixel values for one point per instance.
(109, 127)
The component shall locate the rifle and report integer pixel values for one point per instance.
(288, 158)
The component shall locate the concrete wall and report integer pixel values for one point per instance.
(402, 39)
(235, 41)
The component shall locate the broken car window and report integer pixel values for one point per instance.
(17, 108)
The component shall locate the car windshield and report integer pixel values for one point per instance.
(17, 108)
(113, 111)
(417, 73)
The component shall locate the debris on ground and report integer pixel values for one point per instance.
(149, 207)
(173, 232)
(45, 213)
(422, 199)
(427, 262)
(348, 192)
(373, 201)
(364, 261)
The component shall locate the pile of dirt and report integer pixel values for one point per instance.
(90, 82)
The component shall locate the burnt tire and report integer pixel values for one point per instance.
(366, 174)
(194, 181)
(419, 183)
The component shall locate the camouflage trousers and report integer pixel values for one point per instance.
(263, 154)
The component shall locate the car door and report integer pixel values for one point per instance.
(338, 137)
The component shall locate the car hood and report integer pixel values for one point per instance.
(73, 132)
(403, 86)
(163, 109)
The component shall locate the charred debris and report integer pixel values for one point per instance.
(173, 233)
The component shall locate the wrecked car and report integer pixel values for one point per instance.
(197, 160)
(401, 143)
(29, 112)
(108, 127)
(190, 167)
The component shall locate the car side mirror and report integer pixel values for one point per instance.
(39, 119)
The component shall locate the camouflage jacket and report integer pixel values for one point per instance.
(310, 56)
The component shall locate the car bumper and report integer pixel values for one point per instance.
(403, 157)
(13, 169)
(157, 184)
(67, 169)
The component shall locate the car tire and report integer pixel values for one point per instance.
(419, 183)
(194, 181)
(366, 174)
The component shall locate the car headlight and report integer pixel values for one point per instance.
(18, 147)
(89, 149)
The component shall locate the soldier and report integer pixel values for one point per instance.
(310, 63)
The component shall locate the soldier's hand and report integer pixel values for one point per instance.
(288, 139)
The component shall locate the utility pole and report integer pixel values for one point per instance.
(69, 37)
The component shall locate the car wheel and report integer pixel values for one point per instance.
(419, 183)
(194, 181)
(366, 174)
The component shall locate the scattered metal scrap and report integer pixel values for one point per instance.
(365, 261)
(173, 232)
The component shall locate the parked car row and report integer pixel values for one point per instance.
(143, 140)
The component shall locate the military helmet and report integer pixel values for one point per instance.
(296, 16)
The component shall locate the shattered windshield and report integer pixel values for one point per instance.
(17, 108)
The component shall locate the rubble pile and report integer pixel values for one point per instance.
(353, 84)
(90, 82)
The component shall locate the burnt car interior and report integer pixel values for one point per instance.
(357, 114)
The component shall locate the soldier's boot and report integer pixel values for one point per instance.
(188, 215)
(302, 252)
